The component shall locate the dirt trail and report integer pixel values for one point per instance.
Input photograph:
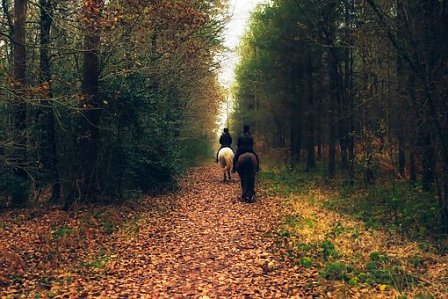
(199, 242)
(212, 244)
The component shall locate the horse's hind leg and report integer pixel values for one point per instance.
(251, 184)
(251, 189)
(244, 187)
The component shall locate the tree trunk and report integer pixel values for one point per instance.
(48, 142)
(332, 133)
(349, 89)
(295, 138)
(19, 155)
(428, 41)
(401, 82)
(414, 133)
(444, 199)
(90, 120)
(311, 160)
(428, 161)
(401, 152)
(333, 99)
(333, 77)
(412, 167)
(442, 31)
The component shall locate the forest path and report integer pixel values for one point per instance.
(198, 242)
(213, 245)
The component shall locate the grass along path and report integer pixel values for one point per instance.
(353, 259)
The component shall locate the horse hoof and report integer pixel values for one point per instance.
(248, 199)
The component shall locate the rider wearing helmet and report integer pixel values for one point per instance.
(245, 145)
(225, 140)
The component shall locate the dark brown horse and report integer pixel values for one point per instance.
(246, 167)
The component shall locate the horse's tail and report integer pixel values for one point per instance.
(226, 159)
(229, 162)
(247, 169)
(247, 163)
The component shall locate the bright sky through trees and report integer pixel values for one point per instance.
(240, 12)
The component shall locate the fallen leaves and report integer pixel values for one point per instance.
(360, 262)
(200, 242)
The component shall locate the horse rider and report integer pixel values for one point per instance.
(245, 145)
(225, 140)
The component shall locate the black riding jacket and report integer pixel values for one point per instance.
(225, 140)
(245, 143)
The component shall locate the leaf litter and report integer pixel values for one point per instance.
(199, 242)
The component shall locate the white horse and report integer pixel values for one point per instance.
(225, 159)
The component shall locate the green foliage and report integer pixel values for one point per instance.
(379, 270)
(337, 229)
(328, 250)
(12, 185)
(306, 262)
(424, 296)
(384, 270)
(297, 221)
(193, 151)
(151, 93)
(293, 220)
(324, 250)
(109, 226)
(303, 247)
(379, 258)
(97, 262)
(105, 219)
(353, 281)
(394, 276)
(336, 271)
(61, 232)
(285, 234)
(324, 68)
(268, 74)
(416, 261)
(398, 206)
(140, 145)
(286, 181)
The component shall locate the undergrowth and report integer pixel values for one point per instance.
(350, 252)
(394, 206)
